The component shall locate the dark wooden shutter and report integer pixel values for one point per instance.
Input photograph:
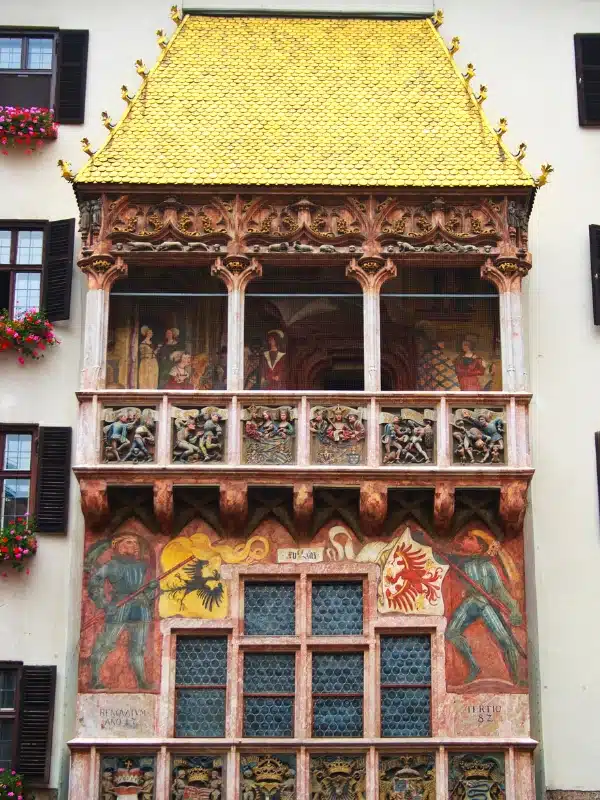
(71, 78)
(587, 70)
(53, 480)
(36, 715)
(58, 269)
(595, 264)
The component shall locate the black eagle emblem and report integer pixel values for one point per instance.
(195, 580)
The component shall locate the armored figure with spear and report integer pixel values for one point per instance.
(487, 598)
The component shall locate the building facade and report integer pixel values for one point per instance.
(304, 426)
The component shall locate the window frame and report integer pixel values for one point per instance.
(382, 632)
(15, 227)
(26, 33)
(31, 473)
(580, 68)
(14, 713)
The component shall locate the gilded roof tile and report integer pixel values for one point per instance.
(288, 101)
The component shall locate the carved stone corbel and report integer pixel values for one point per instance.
(233, 506)
(513, 505)
(103, 270)
(373, 507)
(94, 503)
(443, 506)
(505, 273)
(163, 505)
(236, 271)
(303, 507)
(371, 272)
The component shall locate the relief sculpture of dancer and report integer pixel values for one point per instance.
(198, 434)
(129, 434)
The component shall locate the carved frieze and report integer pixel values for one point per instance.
(373, 225)
(198, 435)
(478, 436)
(269, 435)
(268, 776)
(338, 435)
(128, 435)
(476, 775)
(407, 775)
(408, 436)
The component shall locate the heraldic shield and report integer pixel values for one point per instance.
(477, 777)
(407, 777)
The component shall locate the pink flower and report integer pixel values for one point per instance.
(21, 360)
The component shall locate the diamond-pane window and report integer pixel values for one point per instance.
(269, 689)
(337, 690)
(337, 609)
(405, 686)
(269, 609)
(200, 678)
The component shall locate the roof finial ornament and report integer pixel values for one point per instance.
(65, 167)
(86, 146)
(520, 154)
(438, 18)
(125, 94)
(162, 40)
(469, 74)
(141, 69)
(543, 179)
(454, 45)
(483, 93)
(107, 121)
(176, 15)
(502, 127)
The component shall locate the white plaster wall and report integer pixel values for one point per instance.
(523, 51)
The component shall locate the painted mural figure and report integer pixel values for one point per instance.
(435, 370)
(148, 369)
(114, 588)
(469, 367)
(165, 351)
(273, 363)
(487, 600)
(180, 372)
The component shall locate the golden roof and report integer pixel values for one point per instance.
(275, 101)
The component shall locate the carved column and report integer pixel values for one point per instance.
(236, 272)
(371, 272)
(101, 271)
(507, 276)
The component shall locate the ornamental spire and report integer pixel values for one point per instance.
(543, 179)
(65, 167)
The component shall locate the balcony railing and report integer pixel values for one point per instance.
(324, 431)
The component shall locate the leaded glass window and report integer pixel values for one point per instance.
(405, 685)
(337, 690)
(269, 689)
(200, 678)
(270, 609)
(337, 609)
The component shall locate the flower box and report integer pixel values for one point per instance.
(28, 335)
(18, 542)
(26, 127)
